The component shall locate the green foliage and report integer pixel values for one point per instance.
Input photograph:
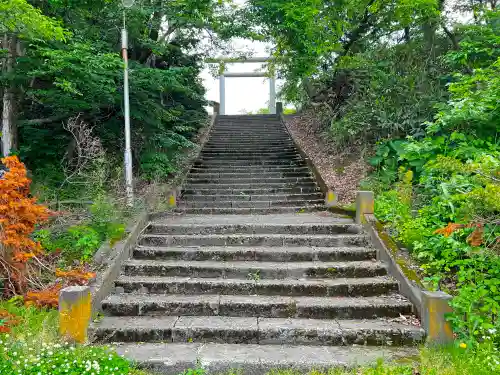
(80, 242)
(28, 22)
(24, 357)
(401, 85)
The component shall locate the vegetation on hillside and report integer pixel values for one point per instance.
(415, 85)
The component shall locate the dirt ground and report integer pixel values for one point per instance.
(342, 170)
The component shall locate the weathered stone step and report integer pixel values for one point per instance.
(240, 197)
(249, 144)
(175, 358)
(253, 270)
(251, 133)
(249, 154)
(246, 211)
(270, 254)
(242, 228)
(256, 147)
(215, 190)
(249, 174)
(256, 158)
(251, 163)
(247, 204)
(254, 240)
(247, 186)
(354, 287)
(252, 169)
(193, 179)
(219, 136)
(253, 330)
(257, 306)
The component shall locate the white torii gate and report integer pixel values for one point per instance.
(223, 74)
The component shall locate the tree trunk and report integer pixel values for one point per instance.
(9, 130)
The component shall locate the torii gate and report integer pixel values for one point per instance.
(223, 74)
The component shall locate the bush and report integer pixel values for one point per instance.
(56, 359)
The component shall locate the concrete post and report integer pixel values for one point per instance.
(272, 95)
(435, 305)
(330, 198)
(222, 88)
(364, 205)
(216, 107)
(279, 108)
(172, 198)
(75, 310)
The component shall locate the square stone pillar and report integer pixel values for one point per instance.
(435, 306)
(365, 204)
(75, 310)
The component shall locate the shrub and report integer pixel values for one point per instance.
(19, 215)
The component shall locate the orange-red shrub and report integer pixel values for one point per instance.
(19, 215)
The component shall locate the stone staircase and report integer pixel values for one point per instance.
(252, 274)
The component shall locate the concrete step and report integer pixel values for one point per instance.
(197, 168)
(220, 143)
(267, 228)
(219, 136)
(252, 270)
(240, 197)
(247, 204)
(390, 306)
(257, 158)
(191, 186)
(251, 163)
(250, 154)
(215, 190)
(246, 211)
(252, 134)
(194, 179)
(354, 287)
(253, 330)
(340, 240)
(175, 358)
(268, 254)
(249, 174)
(256, 147)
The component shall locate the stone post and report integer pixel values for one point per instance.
(222, 93)
(330, 198)
(172, 198)
(75, 310)
(364, 205)
(279, 108)
(216, 107)
(435, 305)
(272, 96)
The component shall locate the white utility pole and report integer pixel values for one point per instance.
(126, 111)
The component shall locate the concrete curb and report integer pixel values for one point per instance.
(112, 260)
(430, 306)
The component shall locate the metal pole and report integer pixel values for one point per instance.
(272, 95)
(222, 89)
(126, 102)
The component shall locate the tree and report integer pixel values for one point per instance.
(19, 22)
